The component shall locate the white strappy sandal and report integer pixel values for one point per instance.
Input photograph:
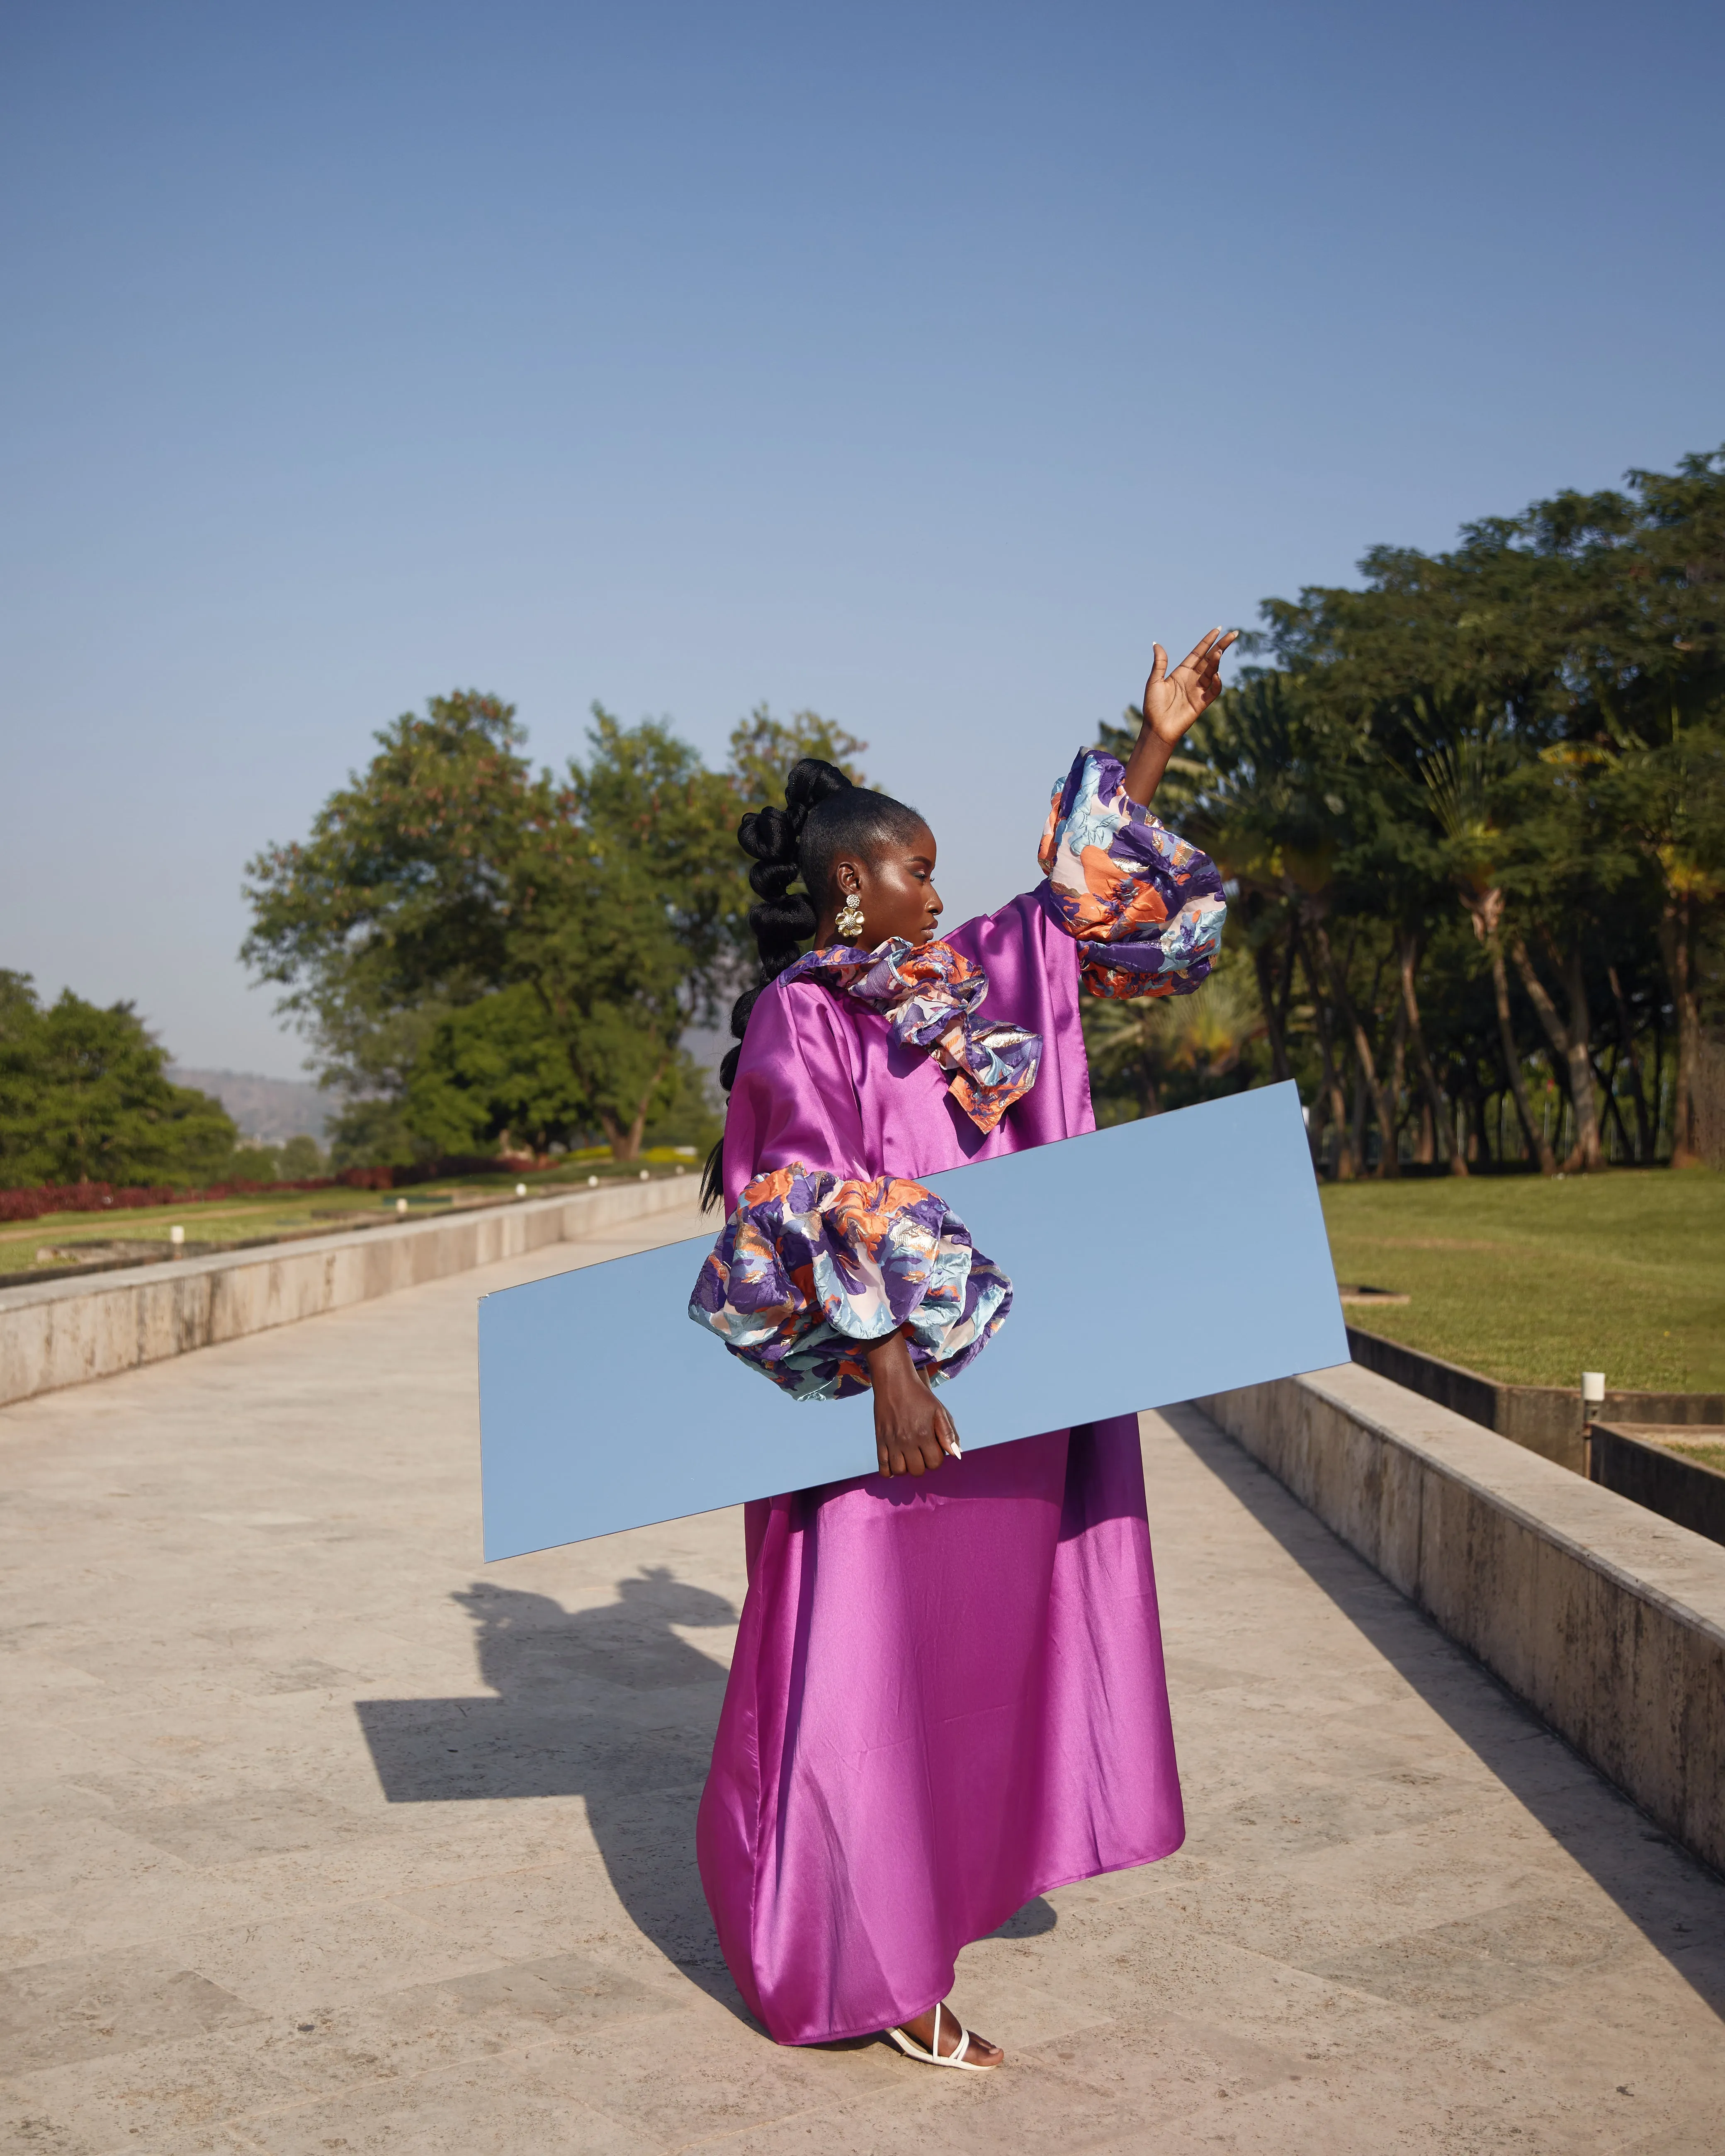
(913, 2050)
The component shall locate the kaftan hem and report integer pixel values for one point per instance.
(873, 1808)
(910, 2013)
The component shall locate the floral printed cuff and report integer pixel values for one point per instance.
(811, 1263)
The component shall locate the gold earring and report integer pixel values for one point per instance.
(849, 920)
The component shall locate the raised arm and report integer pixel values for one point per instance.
(1145, 906)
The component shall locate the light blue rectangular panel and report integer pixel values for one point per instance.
(1182, 1254)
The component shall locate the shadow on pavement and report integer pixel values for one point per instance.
(1676, 1903)
(1031, 1921)
(610, 1705)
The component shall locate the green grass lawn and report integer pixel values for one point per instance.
(219, 1220)
(1533, 1281)
(1703, 1456)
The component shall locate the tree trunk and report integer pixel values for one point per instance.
(1333, 1096)
(625, 1140)
(1274, 1023)
(1487, 912)
(1608, 1088)
(1676, 943)
(1317, 1125)
(1583, 1098)
(1569, 1047)
(1643, 1149)
(1285, 994)
(1398, 1069)
(1442, 1122)
(1357, 1118)
(1388, 1163)
(1658, 1082)
(1147, 1084)
(616, 1136)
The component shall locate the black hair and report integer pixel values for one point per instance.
(824, 815)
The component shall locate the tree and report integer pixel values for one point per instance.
(1460, 774)
(1636, 630)
(1171, 1050)
(494, 1070)
(450, 872)
(84, 1099)
(394, 909)
(301, 1159)
(1532, 722)
(626, 894)
(1269, 789)
(1671, 797)
(763, 749)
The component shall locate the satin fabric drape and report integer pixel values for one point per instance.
(947, 1695)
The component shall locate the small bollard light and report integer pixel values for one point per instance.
(177, 1236)
(592, 1183)
(1592, 1389)
(646, 1177)
(401, 1205)
(680, 1167)
(521, 1190)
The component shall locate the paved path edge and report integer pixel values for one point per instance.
(66, 1333)
(1605, 1619)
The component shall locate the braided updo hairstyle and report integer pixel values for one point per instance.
(824, 815)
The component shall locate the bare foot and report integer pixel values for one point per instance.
(979, 2052)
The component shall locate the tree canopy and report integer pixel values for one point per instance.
(1472, 810)
(1474, 814)
(479, 949)
(84, 1099)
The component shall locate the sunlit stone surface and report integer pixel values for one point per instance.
(321, 1837)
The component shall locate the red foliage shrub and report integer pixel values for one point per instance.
(103, 1197)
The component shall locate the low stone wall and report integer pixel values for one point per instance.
(1549, 1419)
(64, 1332)
(1608, 1621)
(1685, 1490)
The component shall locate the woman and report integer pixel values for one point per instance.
(947, 1696)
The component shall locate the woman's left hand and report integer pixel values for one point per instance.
(1173, 703)
(913, 1432)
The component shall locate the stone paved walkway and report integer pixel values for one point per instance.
(320, 1837)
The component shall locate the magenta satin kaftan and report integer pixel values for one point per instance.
(948, 1694)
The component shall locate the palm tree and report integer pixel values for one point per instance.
(1459, 773)
(1201, 1036)
(1271, 812)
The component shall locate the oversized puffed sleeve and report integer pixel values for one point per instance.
(811, 1262)
(1145, 908)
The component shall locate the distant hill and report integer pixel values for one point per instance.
(272, 1109)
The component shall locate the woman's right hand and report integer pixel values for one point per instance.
(913, 1432)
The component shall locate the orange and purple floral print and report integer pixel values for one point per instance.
(930, 994)
(812, 1263)
(1150, 904)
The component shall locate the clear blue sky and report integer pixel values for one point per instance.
(918, 364)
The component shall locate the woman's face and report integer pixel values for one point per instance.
(895, 890)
